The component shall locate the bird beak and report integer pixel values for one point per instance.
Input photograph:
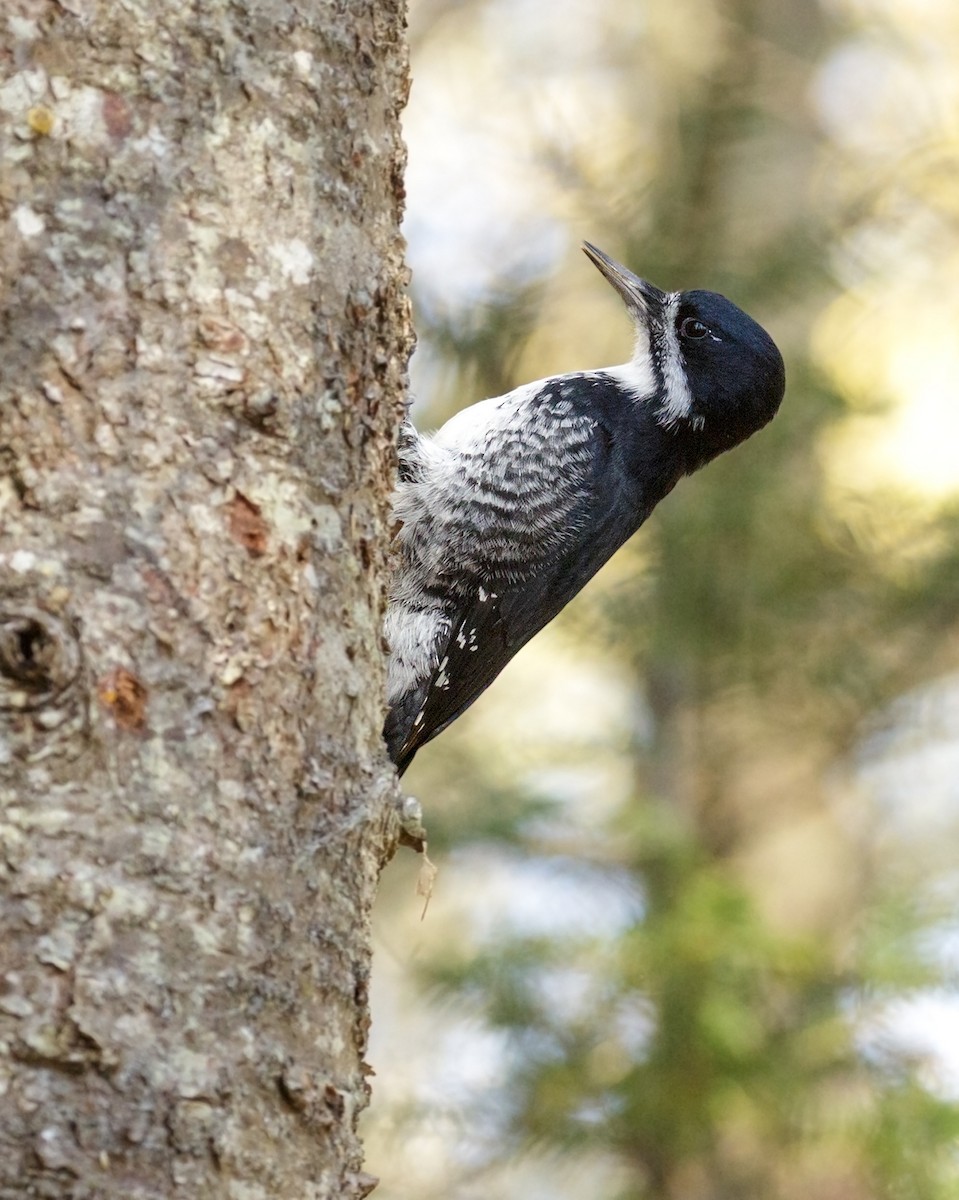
(641, 297)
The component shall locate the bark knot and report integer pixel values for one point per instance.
(39, 658)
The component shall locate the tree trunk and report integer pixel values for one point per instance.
(204, 345)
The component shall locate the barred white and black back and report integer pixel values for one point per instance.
(491, 511)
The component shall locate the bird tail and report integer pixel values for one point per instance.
(398, 730)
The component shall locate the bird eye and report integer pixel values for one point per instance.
(693, 329)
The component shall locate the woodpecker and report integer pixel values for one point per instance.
(513, 505)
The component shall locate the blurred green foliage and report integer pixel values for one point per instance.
(721, 1042)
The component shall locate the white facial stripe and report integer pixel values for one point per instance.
(678, 401)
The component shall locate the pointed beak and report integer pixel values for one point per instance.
(642, 298)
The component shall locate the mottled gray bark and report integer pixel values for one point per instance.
(202, 358)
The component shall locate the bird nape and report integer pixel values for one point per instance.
(514, 504)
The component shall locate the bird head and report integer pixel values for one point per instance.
(717, 374)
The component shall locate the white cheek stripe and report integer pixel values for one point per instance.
(677, 398)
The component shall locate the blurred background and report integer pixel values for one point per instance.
(696, 929)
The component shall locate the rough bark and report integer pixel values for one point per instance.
(202, 361)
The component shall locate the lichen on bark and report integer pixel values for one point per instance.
(204, 339)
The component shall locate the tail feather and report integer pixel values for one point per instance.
(400, 727)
